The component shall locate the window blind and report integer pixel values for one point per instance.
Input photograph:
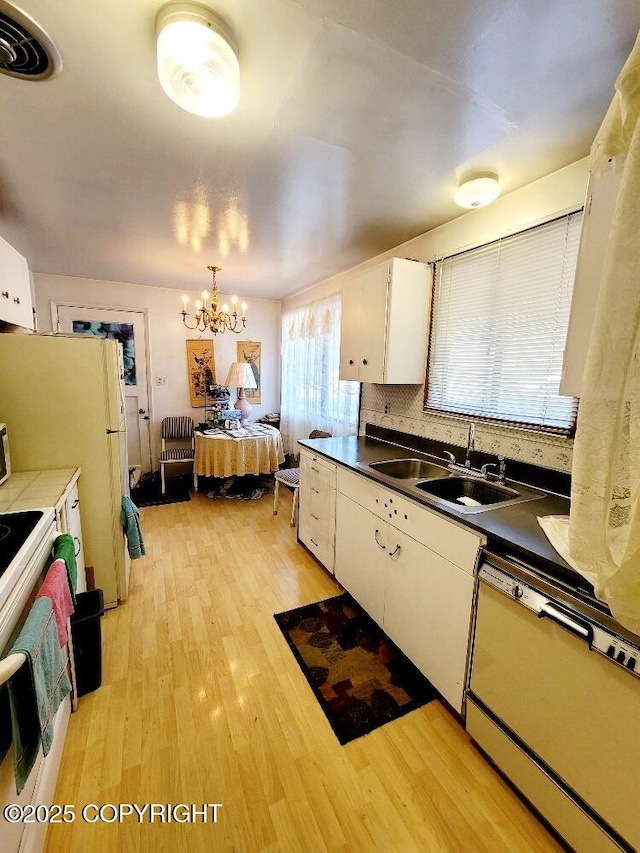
(499, 324)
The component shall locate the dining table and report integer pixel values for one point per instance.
(254, 449)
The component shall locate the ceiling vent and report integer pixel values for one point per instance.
(26, 51)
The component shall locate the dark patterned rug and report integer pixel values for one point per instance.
(149, 490)
(360, 678)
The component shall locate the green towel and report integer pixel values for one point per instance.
(130, 521)
(64, 550)
(37, 688)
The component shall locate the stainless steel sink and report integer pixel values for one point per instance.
(472, 494)
(408, 469)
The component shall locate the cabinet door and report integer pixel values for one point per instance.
(361, 555)
(16, 304)
(427, 613)
(74, 529)
(373, 323)
(349, 331)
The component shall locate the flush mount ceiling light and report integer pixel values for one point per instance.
(197, 59)
(478, 191)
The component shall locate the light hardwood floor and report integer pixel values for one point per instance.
(203, 702)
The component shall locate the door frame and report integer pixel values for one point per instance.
(81, 306)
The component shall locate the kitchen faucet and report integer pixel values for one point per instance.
(471, 444)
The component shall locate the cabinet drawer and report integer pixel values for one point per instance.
(442, 535)
(312, 536)
(320, 471)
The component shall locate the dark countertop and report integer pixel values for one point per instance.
(512, 529)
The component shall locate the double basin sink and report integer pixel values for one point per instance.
(467, 494)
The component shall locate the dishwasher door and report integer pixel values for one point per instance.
(570, 705)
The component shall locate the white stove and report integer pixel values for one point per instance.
(21, 536)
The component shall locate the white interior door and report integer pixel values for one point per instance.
(130, 328)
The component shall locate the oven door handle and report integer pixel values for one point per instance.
(568, 621)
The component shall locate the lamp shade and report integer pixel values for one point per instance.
(478, 191)
(197, 60)
(240, 376)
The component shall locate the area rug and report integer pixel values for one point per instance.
(360, 678)
(149, 491)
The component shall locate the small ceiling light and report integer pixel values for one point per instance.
(197, 59)
(478, 191)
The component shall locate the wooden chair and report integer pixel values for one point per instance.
(290, 477)
(181, 450)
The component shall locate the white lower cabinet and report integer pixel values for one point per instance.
(361, 555)
(317, 507)
(68, 517)
(421, 599)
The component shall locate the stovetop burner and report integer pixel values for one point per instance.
(15, 528)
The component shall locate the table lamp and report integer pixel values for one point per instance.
(241, 376)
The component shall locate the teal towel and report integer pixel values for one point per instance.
(64, 549)
(37, 688)
(130, 521)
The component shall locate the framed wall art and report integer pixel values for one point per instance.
(250, 351)
(201, 370)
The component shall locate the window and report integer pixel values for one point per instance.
(312, 395)
(499, 324)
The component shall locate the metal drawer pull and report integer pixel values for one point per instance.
(378, 543)
(314, 542)
(565, 620)
(75, 503)
(315, 516)
(395, 551)
(317, 470)
(315, 490)
(77, 553)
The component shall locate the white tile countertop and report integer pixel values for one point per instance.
(37, 489)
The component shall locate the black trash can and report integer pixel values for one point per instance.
(87, 640)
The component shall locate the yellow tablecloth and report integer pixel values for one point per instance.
(221, 456)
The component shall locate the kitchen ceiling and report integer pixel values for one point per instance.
(356, 119)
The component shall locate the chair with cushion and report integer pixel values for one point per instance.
(290, 477)
(177, 446)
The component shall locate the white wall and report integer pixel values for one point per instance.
(167, 336)
(400, 407)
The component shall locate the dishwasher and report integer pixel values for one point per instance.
(554, 702)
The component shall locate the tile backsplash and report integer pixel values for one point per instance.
(399, 407)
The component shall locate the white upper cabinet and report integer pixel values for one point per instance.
(385, 321)
(16, 304)
(601, 197)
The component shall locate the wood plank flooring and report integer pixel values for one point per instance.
(203, 702)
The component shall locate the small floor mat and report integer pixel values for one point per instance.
(149, 491)
(359, 676)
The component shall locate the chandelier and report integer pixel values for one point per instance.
(210, 318)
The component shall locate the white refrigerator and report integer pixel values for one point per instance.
(62, 399)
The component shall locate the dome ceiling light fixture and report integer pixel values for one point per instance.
(477, 191)
(197, 59)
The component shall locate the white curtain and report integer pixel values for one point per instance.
(601, 538)
(312, 395)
